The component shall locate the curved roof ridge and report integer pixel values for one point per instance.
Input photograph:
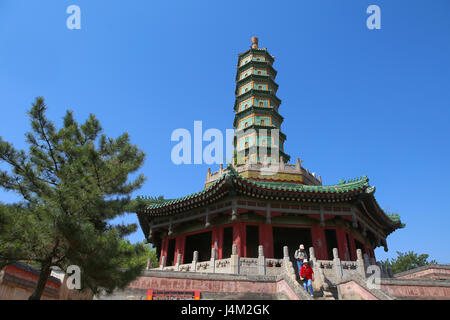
(231, 172)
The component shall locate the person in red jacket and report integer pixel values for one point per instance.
(307, 276)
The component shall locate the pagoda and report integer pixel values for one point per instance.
(260, 198)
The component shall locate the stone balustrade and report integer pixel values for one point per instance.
(327, 272)
(335, 270)
(232, 265)
(332, 272)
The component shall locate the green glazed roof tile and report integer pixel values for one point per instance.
(271, 185)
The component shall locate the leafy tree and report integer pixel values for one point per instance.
(407, 261)
(141, 260)
(72, 181)
(154, 263)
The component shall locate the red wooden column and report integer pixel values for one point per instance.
(263, 241)
(342, 244)
(319, 242)
(244, 239)
(266, 239)
(179, 247)
(220, 242)
(214, 237)
(238, 237)
(217, 239)
(164, 245)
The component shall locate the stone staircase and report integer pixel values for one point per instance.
(330, 293)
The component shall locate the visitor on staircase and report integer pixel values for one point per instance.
(307, 276)
(300, 255)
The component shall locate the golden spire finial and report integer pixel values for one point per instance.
(254, 42)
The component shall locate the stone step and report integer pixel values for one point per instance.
(330, 294)
(324, 298)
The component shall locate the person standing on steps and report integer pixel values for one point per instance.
(300, 255)
(307, 276)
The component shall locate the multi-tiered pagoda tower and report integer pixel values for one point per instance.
(261, 199)
(258, 124)
(259, 141)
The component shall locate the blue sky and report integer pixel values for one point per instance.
(355, 101)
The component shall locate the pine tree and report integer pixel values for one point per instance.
(72, 182)
(408, 260)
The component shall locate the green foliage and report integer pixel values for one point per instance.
(142, 259)
(141, 203)
(407, 261)
(72, 181)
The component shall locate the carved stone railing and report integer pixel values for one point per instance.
(223, 266)
(185, 267)
(204, 267)
(332, 272)
(248, 265)
(235, 264)
(274, 267)
(349, 266)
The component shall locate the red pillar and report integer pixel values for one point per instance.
(342, 244)
(267, 239)
(244, 239)
(177, 245)
(238, 237)
(220, 242)
(319, 242)
(352, 246)
(214, 237)
(164, 245)
(216, 240)
(179, 248)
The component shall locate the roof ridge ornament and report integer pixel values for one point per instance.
(231, 170)
(370, 189)
(254, 43)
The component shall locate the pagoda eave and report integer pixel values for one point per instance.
(259, 93)
(260, 110)
(256, 64)
(257, 78)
